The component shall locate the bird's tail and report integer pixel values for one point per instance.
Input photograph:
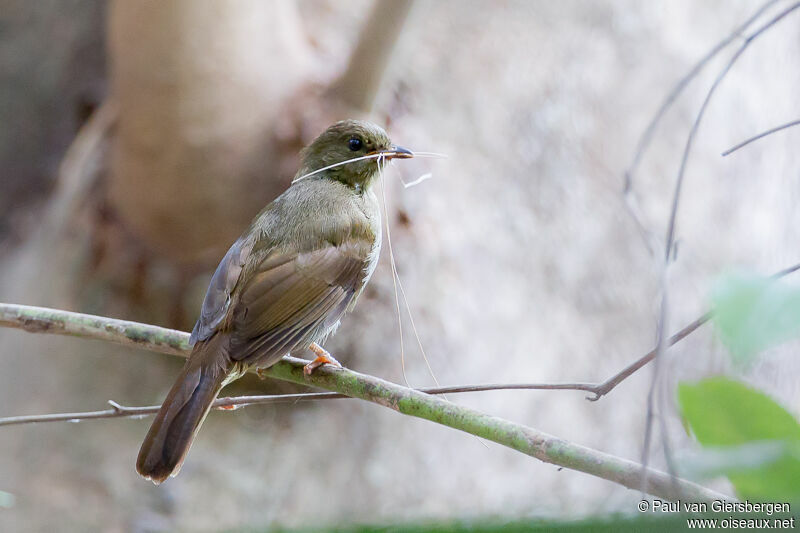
(183, 411)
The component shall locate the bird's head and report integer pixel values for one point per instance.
(346, 140)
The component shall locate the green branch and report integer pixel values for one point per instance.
(411, 402)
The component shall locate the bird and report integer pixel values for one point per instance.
(283, 286)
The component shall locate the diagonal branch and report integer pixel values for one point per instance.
(651, 240)
(761, 136)
(647, 137)
(411, 402)
(359, 84)
(669, 246)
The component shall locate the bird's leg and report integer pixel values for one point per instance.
(323, 357)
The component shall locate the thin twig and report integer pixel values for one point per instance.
(360, 83)
(236, 402)
(647, 136)
(760, 136)
(80, 168)
(670, 236)
(696, 125)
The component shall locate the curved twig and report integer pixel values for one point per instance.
(647, 136)
(359, 83)
(760, 136)
(696, 124)
(670, 235)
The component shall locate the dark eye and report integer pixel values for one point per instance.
(354, 144)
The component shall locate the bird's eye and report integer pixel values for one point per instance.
(354, 144)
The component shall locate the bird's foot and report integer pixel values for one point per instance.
(323, 358)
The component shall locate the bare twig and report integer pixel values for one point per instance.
(647, 136)
(670, 236)
(80, 168)
(231, 403)
(122, 411)
(524, 439)
(760, 136)
(358, 86)
(658, 357)
(606, 387)
(699, 118)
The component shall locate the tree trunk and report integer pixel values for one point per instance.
(199, 85)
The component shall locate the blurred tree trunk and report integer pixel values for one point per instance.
(209, 94)
(198, 85)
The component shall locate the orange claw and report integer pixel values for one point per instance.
(323, 358)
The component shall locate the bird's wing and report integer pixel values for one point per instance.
(292, 299)
(217, 301)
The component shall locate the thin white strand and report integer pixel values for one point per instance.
(394, 277)
(413, 183)
(414, 328)
(396, 274)
(370, 156)
(417, 181)
(363, 157)
(398, 174)
(382, 163)
(432, 155)
(399, 283)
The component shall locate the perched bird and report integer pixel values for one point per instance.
(284, 284)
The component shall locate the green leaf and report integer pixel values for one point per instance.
(7, 499)
(752, 313)
(713, 461)
(725, 413)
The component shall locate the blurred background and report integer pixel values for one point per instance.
(139, 138)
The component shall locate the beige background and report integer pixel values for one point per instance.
(520, 263)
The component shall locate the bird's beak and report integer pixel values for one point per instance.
(395, 152)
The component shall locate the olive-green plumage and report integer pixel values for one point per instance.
(283, 285)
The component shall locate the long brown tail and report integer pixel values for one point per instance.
(183, 411)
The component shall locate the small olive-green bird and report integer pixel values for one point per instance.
(283, 286)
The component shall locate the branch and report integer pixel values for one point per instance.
(80, 167)
(761, 135)
(670, 235)
(225, 404)
(698, 119)
(358, 85)
(526, 440)
(126, 333)
(647, 136)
